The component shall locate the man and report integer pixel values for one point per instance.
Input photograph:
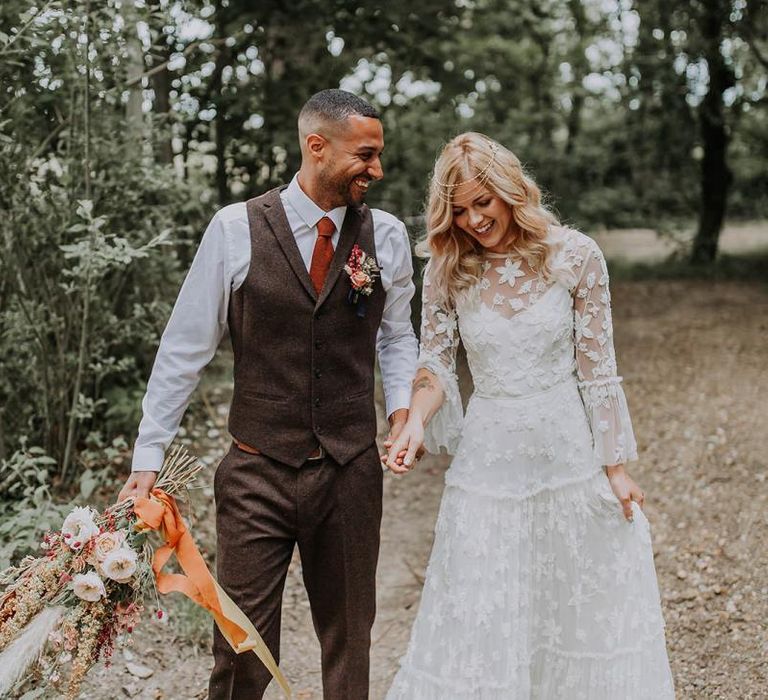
(303, 468)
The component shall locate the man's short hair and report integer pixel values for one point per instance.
(332, 108)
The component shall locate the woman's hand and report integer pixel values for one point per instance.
(625, 489)
(406, 448)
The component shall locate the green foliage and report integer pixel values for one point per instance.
(89, 264)
(123, 124)
(26, 506)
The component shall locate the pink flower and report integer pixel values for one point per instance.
(359, 279)
(105, 543)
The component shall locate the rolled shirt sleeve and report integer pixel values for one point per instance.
(190, 339)
(396, 342)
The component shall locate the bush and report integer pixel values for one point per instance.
(95, 236)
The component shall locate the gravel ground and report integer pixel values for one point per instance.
(694, 358)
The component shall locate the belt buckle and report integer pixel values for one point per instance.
(319, 456)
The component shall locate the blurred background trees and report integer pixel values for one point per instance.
(124, 124)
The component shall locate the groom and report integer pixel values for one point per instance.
(303, 468)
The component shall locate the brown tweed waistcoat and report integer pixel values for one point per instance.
(303, 362)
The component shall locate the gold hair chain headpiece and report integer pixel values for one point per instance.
(481, 176)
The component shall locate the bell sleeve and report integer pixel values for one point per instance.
(437, 353)
(599, 383)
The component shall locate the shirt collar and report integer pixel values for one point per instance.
(306, 208)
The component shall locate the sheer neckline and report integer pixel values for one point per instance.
(491, 254)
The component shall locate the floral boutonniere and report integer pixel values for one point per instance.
(363, 271)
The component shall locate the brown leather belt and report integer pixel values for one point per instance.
(319, 452)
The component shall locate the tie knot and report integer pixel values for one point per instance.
(325, 227)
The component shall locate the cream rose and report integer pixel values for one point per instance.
(105, 543)
(78, 528)
(88, 586)
(120, 564)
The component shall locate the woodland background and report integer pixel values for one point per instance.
(125, 124)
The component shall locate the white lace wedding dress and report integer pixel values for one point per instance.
(537, 586)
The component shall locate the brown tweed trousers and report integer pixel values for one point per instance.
(303, 376)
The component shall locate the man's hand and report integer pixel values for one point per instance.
(396, 422)
(138, 485)
(407, 447)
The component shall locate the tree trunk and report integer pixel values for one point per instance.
(715, 175)
(161, 84)
(134, 114)
(3, 449)
(221, 123)
(580, 67)
(222, 185)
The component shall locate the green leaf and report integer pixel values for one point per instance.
(88, 484)
(85, 208)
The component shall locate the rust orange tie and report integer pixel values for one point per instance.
(322, 254)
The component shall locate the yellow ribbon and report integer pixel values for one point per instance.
(160, 512)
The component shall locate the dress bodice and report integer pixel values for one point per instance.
(525, 332)
(520, 354)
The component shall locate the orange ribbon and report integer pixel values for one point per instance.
(160, 512)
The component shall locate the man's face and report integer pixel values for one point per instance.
(352, 159)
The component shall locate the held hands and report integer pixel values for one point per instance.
(137, 485)
(625, 489)
(405, 445)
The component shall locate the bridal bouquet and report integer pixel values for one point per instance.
(65, 610)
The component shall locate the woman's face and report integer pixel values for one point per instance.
(482, 215)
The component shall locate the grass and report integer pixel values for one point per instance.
(746, 267)
(190, 622)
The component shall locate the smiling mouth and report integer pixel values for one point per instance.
(482, 230)
(362, 183)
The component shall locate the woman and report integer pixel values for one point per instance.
(541, 582)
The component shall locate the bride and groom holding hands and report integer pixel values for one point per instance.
(541, 582)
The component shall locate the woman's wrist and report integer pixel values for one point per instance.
(416, 414)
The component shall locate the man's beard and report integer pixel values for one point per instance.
(343, 190)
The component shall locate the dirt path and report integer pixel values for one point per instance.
(694, 358)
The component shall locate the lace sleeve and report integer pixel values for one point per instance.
(599, 384)
(437, 353)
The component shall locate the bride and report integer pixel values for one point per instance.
(541, 582)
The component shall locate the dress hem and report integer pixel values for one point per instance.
(461, 684)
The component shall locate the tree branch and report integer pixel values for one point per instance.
(758, 53)
(164, 65)
(25, 27)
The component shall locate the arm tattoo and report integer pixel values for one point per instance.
(423, 383)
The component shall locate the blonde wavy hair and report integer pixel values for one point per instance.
(456, 261)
